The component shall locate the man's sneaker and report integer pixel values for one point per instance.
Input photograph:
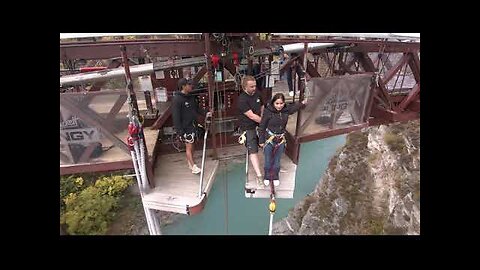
(259, 180)
(195, 169)
(276, 183)
(266, 182)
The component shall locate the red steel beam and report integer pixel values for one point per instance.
(154, 49)
(88, 43)
(96, 167)
(370, 67)
(399, 98)
(391, 72)
(414, 105)
(381, 116)
(415, 66)
(330, 133)
(163, 118)
(411, 96)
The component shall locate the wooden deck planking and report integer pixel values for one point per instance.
(115, 154)
(287, 179)
(176, 186)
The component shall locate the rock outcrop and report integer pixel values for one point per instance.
(371, 186)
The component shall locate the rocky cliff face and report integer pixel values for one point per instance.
(372, 186)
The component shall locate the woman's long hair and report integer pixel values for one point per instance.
(277, 96)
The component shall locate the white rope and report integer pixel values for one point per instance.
(270, 227)
(152, 222)
(246, 166)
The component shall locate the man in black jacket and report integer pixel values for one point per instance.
(185, 110)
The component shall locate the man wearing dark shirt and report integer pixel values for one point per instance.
(295, 68)
(250, 106)
(185, 110)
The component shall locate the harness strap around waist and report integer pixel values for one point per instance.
(273, 136)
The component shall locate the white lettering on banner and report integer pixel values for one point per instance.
(80, 135)
(70, 122)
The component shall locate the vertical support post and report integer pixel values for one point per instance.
(303, 84)
(148, 96)
(138, 149)
(210, 92)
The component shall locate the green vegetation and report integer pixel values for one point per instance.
(87, 206)
(394, 141)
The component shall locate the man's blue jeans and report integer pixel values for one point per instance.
(272, 164)
(298, 70)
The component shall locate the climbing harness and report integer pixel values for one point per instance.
(188, 137)
(243, 138)
(280, 138)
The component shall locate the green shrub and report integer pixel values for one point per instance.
(395, 142)
(90, 210)
(69, 185)
(113, 185)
